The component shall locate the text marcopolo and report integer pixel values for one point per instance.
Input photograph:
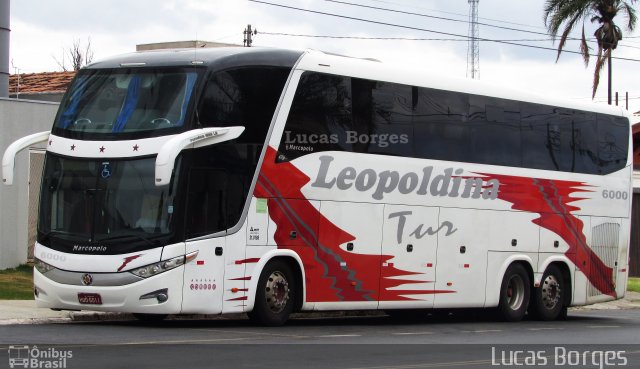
(449, 183)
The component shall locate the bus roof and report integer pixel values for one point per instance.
(221, 57)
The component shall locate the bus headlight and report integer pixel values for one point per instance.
(41, 266)
(163, 266)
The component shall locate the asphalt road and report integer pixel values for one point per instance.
(587, 339)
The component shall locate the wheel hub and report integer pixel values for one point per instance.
(277, 292)
(515, 292)
(551, 292)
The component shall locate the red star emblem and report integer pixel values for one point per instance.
(102, 149)
(73, 147)
(136, 147)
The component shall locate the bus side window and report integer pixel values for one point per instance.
(494, 127)
(382, 117)
(440, 120)
(585, 143)
(613, 143)
(320, 118)
(546, 138)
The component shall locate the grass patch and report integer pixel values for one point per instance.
(17, 283)
(633, 284)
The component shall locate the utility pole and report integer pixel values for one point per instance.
(247, 35)
(609, 89)
(473, 47)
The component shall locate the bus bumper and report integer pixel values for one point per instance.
(140, 297)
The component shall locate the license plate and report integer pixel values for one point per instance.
(90, 298)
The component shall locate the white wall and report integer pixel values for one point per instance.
(18, 118)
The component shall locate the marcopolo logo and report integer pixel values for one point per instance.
(23, 356)
(449, 183)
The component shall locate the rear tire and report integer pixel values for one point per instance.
(275, 295)
(548, 299)
(515, 292)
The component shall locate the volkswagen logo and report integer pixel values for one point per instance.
(87, 279)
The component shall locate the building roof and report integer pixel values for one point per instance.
(40, 83)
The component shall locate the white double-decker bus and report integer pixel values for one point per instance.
(272, 181)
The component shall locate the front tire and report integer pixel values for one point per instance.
(515, 292)
(275, 295)
(548, 299)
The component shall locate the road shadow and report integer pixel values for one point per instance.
(452, 317)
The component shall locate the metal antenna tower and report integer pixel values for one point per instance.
(473, 47)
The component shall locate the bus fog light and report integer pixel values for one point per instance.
(160, 295)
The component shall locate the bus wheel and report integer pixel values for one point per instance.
(548, 299)
(274, 296)
(514, 293)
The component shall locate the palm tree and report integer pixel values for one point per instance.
(569, 13)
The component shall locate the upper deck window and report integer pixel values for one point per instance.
(127, 102)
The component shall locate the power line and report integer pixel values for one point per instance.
(405, 38)
(459, 14)
(434, 17)
(426, 30)
(389, 38)
(455, 20)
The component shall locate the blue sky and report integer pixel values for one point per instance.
(42, 29)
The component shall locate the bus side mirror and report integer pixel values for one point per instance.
(9, 157)
(191, 139)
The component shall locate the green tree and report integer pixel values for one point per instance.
(567, 14)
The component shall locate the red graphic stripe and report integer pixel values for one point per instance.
(238, 298)
(332, 274)
(552, 201)
(247, 261)
(127, 260)
(240, 279)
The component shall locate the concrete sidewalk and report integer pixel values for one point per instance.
(26, 312)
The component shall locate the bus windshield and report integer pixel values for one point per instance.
(104, 206)
(127, 101)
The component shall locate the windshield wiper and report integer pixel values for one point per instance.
(46, 236)
(132, 235)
